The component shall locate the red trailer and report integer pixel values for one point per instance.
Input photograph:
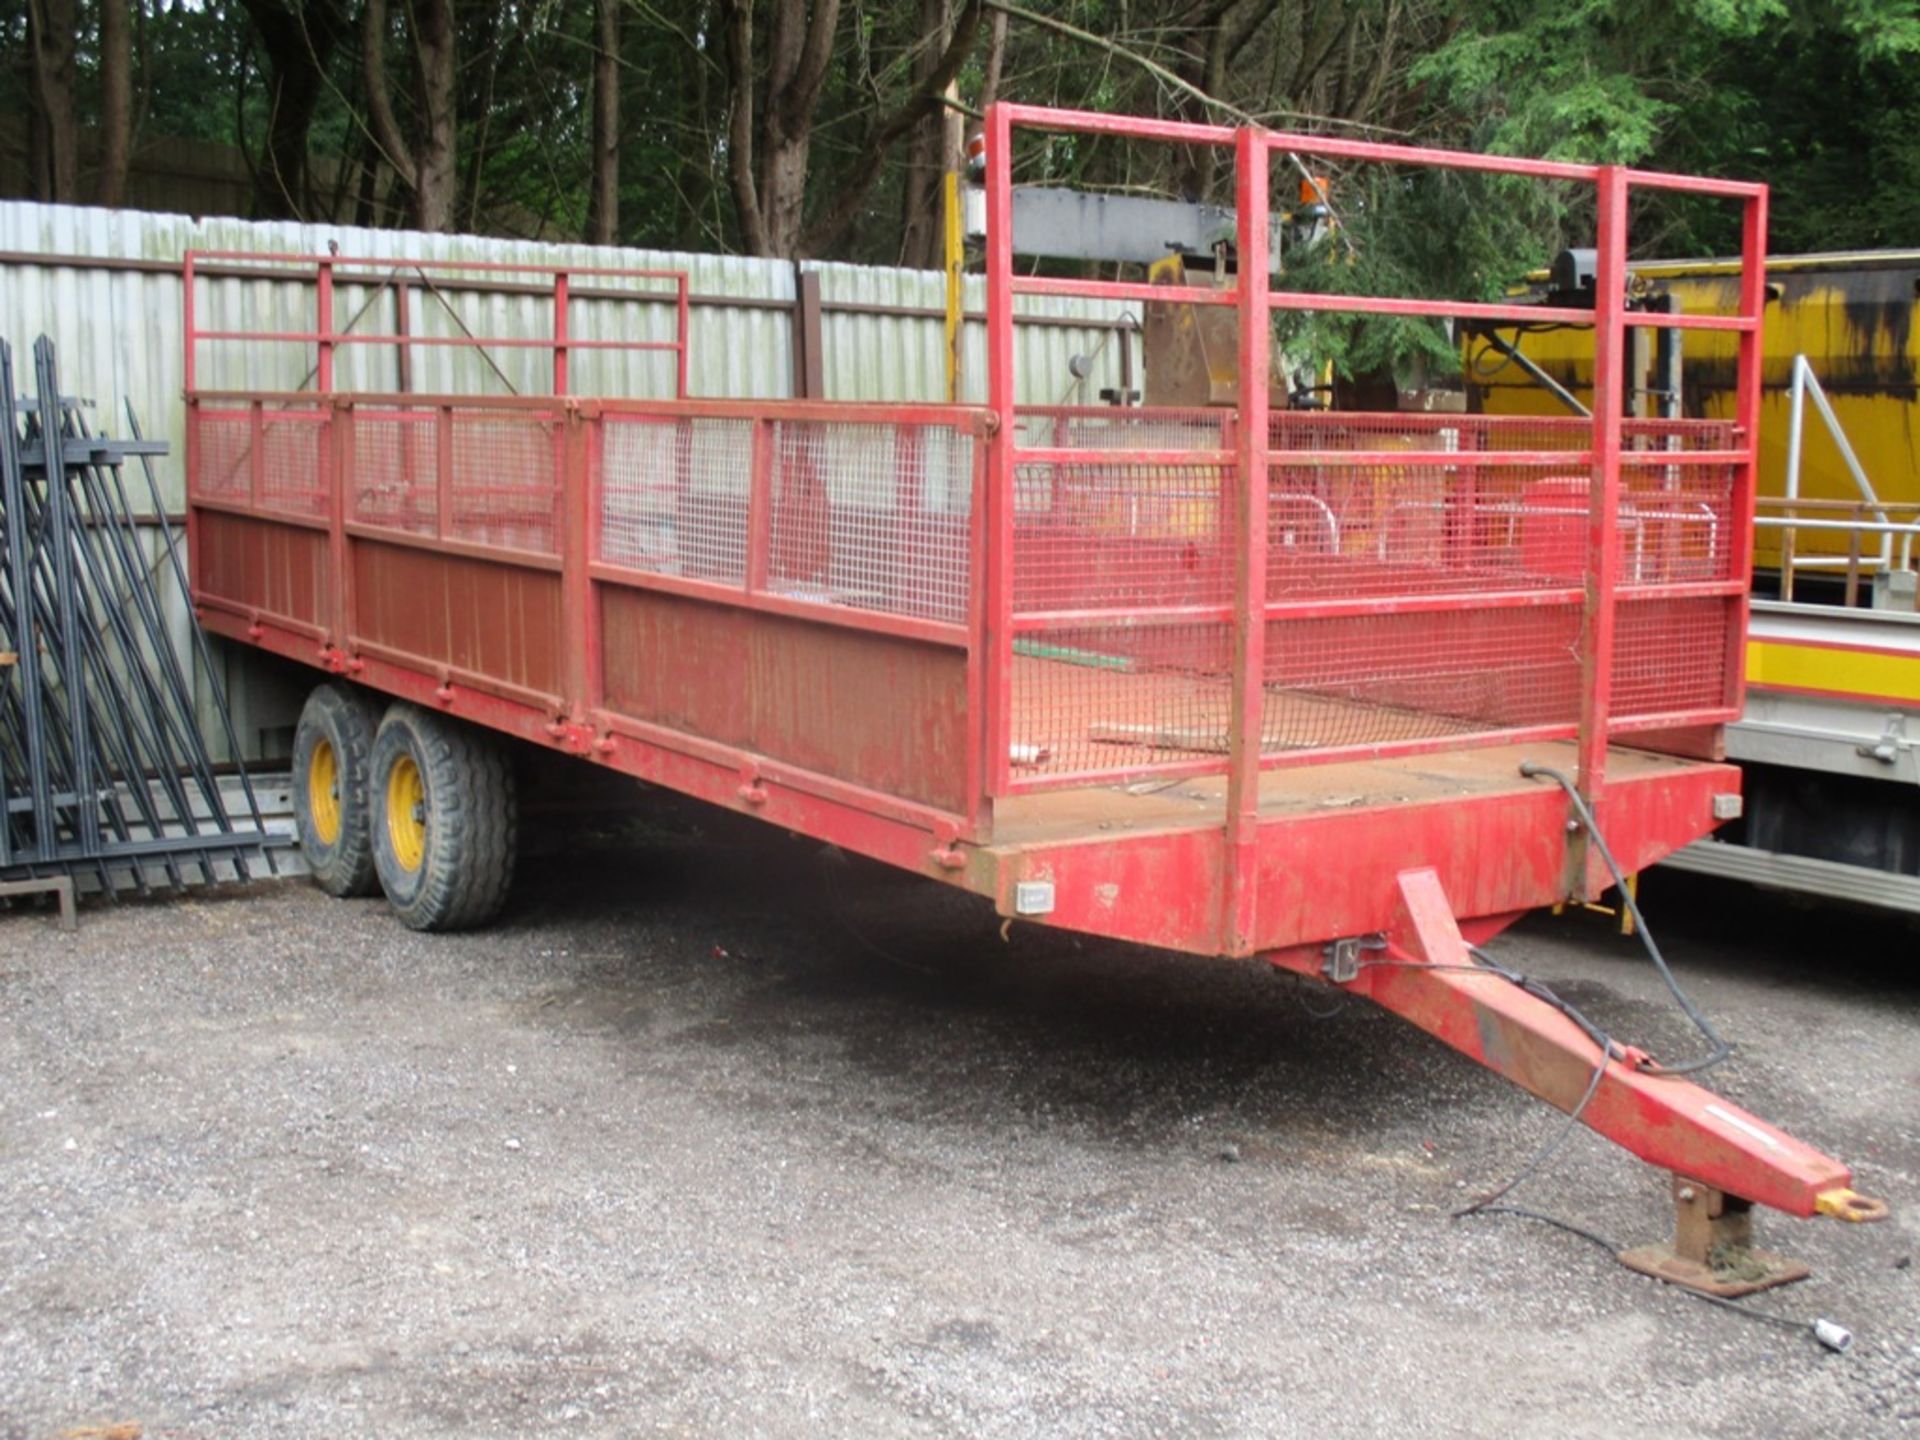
(1297, 685)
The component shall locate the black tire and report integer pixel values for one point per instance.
(448, 862)
(332, 749)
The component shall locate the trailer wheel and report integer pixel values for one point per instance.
(444, 819)
(332, 746)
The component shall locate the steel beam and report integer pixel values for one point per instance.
(1428, 975)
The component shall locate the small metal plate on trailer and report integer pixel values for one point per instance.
(1033, 897)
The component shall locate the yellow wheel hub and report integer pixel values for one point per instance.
(407, 813)
(323, 792)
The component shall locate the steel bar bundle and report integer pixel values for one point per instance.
(105, 775)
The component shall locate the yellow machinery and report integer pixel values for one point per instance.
(1851, 317)
(1830, 741)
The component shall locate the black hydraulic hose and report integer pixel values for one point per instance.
(1721, 1050)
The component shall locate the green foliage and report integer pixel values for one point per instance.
(1414, 234)
(1819, 97)
(1594, 80)
(1826, 108)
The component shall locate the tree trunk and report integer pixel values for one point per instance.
(770, 196)
(838, 217)
(116, 102)
(995, 62)
(429, 163)
(740, 126)
(366, 195)
(299, 39)
(699, 181)
(783, 189)
(438, 189)
(603, 196)
(51, 39)
(927, 160)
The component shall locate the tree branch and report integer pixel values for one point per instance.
(746, 197)
(381, 121)
(1161, 72)
(925, 101)
(996, 60)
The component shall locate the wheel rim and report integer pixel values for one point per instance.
(323, 792)
(407, 813)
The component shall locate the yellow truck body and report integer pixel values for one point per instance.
(1851, 315)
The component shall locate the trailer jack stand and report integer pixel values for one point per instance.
(1712, 1249)
(1730, 1159)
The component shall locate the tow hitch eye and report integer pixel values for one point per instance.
(1847, 1205)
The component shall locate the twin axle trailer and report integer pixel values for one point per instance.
(1349, 692)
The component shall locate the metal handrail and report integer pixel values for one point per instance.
(1806, 382)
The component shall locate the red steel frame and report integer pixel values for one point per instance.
(887, 726)
(329, 271)
(1254, 151)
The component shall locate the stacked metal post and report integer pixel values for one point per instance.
(105, 776)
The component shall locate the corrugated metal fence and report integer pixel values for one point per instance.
(106, 286)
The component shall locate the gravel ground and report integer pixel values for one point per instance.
(718, 1133)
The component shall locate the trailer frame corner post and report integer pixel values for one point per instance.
(187, 322)
(979, 768)
(1000, 478)
(336, 439)
(578, 598)
(323, 326)
(561, 332)
(1753, 309)
(1247, 715)
(1603, 525)
(684, 334)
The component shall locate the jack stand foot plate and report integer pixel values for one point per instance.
(1712, 1249)
(1753, 1270)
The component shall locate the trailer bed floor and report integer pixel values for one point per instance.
(1199, 803)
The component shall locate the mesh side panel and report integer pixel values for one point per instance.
(1087, 536)
(1377, 679)
(1132, 693)
(1108, 428)
(1676, 523)
(504, 481)
(1151, 688)
(1120, 696)
(395, 471)
(1352, 531)
(1679, 434)
(290, 478)
(871, 516)
(223, 456)
(673, 496)
(1670, 655)
(1382, 530)
(1388, 529)
(1409, 430)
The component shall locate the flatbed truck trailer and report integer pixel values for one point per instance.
(1347, 692)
